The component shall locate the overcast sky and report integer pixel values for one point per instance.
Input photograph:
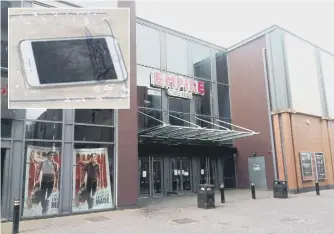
(225, 23)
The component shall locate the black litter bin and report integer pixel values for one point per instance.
(280, 189)
(205, 196)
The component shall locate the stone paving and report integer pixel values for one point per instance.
(303, 213)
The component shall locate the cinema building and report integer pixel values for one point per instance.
(199, 113)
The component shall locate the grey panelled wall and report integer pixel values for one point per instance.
(278, 83)
(278, 71)
(16, 173)
(67, 165)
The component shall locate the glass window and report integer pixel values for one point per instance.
(221, 67)
(148, 46)
(6, 128)
(204, 123)
(176, 50)
(303, 76)
(147, 96)
(43, 130)
(201, 59)
(224, 101)
(145, 121)
(93, 189)
(41, 178)
(93, 133)
(225, 123)
(4, 56)
(203, 103)
(179, 104)
(95, 116)
(44, 114)
(178, 121)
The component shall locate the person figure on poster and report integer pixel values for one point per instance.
(49, 183)
(92, 170)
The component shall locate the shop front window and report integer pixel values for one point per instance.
(179, 119)
(93, 189)
(93, 160)
(6, 128)
(44, 114)
(43, 130)
(201, 60)
(41, 178)
(95, 116)
(148, 46)
(176, 50)
(178, 105)
(149, 119)
(203, 103)
(221, 67)
(93, 133)
(224, 101)
(147, 97)
(204, 121)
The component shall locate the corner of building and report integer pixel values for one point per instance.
(249, 108)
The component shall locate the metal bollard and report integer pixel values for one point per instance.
(317, 189)
(253, 190)
(222, 193)
(16, 216)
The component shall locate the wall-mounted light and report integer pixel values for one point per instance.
(254, 154)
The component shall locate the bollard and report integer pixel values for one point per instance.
(222, 193)
(317, 189)
(16, 216)
(253, 190)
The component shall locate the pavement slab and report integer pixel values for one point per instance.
(302, 213)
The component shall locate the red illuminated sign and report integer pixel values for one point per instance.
(177, 86)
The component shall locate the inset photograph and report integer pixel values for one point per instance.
(68, 58)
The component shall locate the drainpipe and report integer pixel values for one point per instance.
(273, 152)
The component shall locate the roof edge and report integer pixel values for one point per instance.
(268, 30)
(175, 32)
(252, 38)
(318, 47)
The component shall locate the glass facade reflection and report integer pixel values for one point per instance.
(147, 96)
(176, 53)
(148, 46)
(201, 60)
(159, 50)
(221, 67)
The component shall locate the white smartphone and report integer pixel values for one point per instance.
(72, 61)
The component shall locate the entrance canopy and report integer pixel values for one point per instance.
(217, 133)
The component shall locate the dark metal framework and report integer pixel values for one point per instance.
(195, 132)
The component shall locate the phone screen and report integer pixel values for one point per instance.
(69, 61)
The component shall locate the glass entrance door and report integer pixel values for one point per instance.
(208, 171)
(144, 175)
(181, 174)
(150, 178)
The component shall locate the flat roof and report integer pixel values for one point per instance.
(268, 30)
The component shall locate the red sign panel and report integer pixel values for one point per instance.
(177, 85)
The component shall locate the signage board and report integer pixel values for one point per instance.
(177, 86)
(320, 166)
(306, 166)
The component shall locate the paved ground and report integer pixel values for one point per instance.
(303, 213)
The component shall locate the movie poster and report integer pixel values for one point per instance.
(91, 180)
(41, 195)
